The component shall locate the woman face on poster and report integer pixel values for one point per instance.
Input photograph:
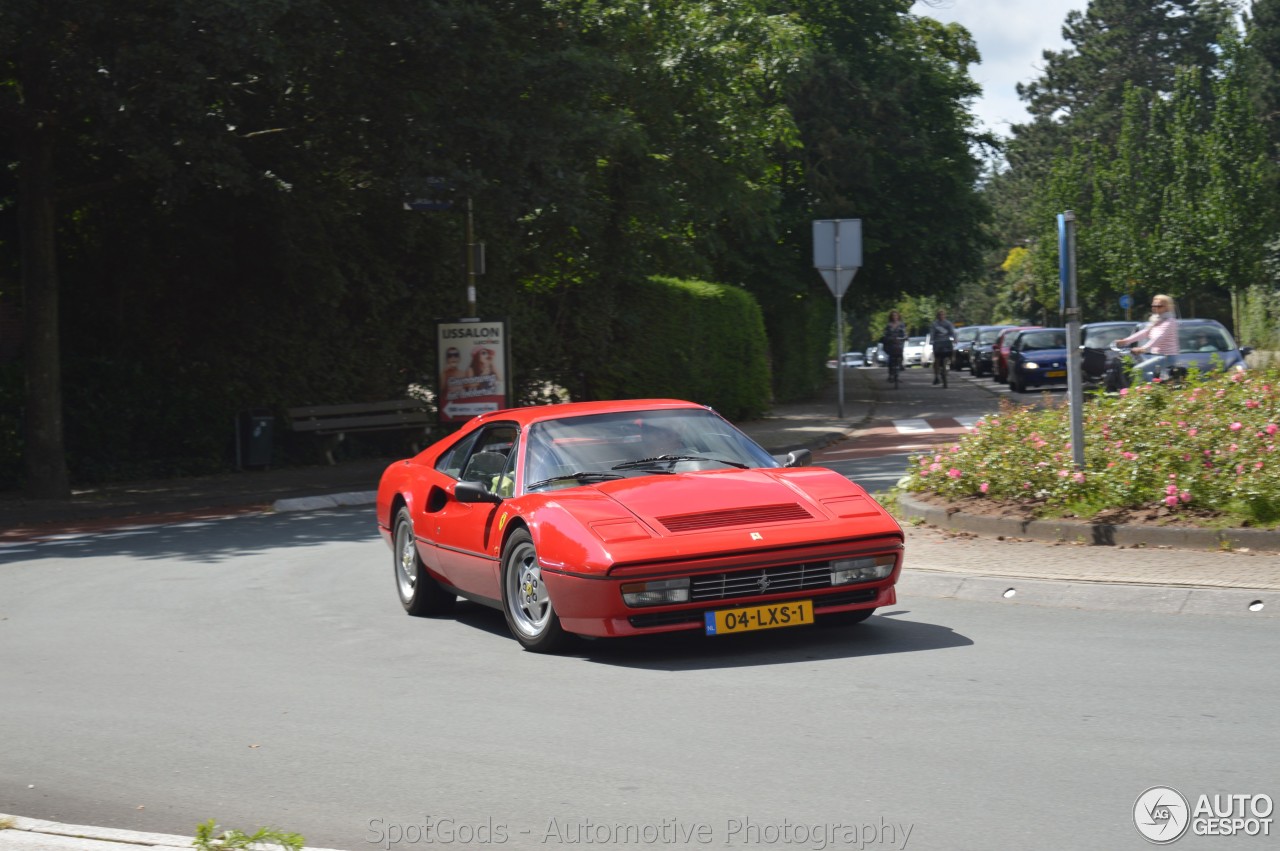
(482, 362)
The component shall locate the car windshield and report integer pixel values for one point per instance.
(987, 337)
(582, 448)
(1203, 338)
(1101, 338)
(965, 335)
(1030, 341)
(915, 341)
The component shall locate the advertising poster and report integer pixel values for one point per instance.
(473, 369)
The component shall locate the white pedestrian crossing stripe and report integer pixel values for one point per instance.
(920, 426)
(912, 426)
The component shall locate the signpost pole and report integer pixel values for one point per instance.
(838, 261)
(1071, 310)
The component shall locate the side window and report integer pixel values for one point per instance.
(451, 462)
(488, 458)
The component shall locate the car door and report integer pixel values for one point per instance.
(464, 532)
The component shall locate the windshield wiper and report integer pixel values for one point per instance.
(671, 459)
(580, 476)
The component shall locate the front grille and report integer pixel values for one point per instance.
(759, 515)
(754, 583)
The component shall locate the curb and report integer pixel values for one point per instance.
(319, 503)
(1093, 595)
(1094, 534)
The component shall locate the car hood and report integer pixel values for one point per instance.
(698, 515)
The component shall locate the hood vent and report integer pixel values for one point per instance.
(756, 515)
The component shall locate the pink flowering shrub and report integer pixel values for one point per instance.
(1210, 444)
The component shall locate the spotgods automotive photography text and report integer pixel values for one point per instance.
(666, 832)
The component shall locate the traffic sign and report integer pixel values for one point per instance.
(1126, 301)
(837, 251)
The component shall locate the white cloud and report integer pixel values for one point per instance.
(1011, 35)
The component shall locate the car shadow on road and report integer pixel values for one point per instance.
(879, 635)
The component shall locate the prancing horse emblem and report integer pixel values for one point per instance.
(763, 583)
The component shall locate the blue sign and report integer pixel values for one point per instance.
(1126, 301)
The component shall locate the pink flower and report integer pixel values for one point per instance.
(1124, 391)
(1079, 478)
(1185, 496)
(1171, 489)
(1251, 403)
(1170, 501)
(1191, 432)
(1236, 426)
(953, 473)
(983, 487)
(1271, 428)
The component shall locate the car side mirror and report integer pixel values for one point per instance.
(798, 458)
(1245, 351)
(474, 492)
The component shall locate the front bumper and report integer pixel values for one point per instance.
(594, 606)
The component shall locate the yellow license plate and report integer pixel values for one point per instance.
(1057, 373)
(772, 616)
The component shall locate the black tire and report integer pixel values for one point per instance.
(846, 618)
(419, 593)
(1019, 384)
(531, 616)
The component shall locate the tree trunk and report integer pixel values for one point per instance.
(46, 463)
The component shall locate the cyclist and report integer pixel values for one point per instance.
(1161, 336)
(942, 336)
(893, 339)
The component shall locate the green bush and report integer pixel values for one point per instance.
(1206, 446)
(691, 340)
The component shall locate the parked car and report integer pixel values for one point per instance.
(913, 351)
(631, 517)
(876, 356)
(1203, 344)
(965, 338)
(851, 359)
(981, 354)
(1096, 355)
(1037, 358)
(1000, 352)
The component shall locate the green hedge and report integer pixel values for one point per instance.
(687, 339)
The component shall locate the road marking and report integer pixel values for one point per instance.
(969, 422)
(912, 426)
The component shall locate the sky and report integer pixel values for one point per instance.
(1011, 36)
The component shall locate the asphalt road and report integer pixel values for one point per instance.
(258, 670)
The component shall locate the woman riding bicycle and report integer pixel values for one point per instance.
(893, 339)
(1161, 336)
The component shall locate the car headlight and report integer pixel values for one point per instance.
(1030, 365)
(656, 592)
(845, 571)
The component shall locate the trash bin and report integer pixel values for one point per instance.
(253, 439)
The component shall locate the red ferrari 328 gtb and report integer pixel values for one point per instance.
(631, 517)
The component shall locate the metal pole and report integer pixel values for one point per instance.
(839, 355)
(471, 263)
(1075, 386)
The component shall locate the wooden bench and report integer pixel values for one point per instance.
(335, 421)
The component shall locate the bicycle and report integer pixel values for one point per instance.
(895, 366)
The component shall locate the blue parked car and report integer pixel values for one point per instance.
(1038, 357)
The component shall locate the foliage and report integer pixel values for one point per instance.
(212, 199)
(1208, 445)
(210, 838)
(689, 339)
